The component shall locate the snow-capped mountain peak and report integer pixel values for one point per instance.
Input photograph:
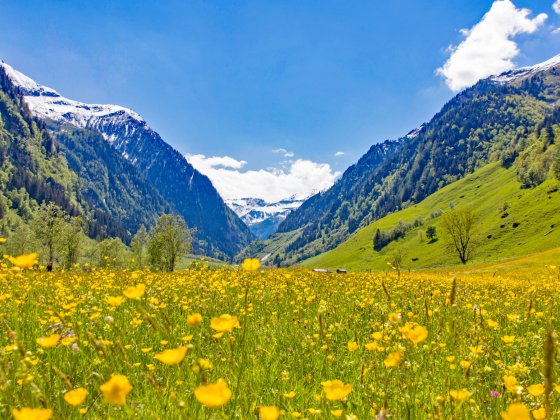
(524, 72)
(46, 103)
(262, 217)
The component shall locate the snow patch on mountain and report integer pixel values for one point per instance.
(524, 72)
(263, 218)
(116, 123)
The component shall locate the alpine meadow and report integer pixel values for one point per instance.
(226, 250)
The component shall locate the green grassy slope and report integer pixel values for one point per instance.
(535, 210)
(269, 248)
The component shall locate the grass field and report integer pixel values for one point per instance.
(530, 224)
(229, 343)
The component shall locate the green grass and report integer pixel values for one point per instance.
(536, 211)
(297, 329)
(270, 247)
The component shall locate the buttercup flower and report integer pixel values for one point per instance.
(32, 413)
(135, 292)
(336, 390)
(24, 261)
(251, 264)
(172, 357)
(76, 397)
(116, 389)
(194, 319)
(224, 323)
(48, 342)
(213, 395)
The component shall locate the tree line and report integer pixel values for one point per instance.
(61, 240)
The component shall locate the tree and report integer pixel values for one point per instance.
(22, 241)
(48, 224)
(460, 225)
(396, 261)
(71, 238)
(431, 233)
(377, 240)
(169, 240)
(139, 246)
(112, 253)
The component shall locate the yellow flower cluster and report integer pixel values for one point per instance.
(271, 344)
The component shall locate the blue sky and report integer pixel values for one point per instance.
(243, 78)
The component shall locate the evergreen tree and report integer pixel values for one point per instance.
(431, 232)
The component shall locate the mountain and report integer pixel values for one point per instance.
(491, 121)
(263, 218)
(219, 232)
(511, 222)
(34, 168)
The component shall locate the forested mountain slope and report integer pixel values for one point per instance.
(491, 121)
(168, 180)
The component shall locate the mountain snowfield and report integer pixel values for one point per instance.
(114, 122)
(220, 232)
(263, 218)
(527, 71)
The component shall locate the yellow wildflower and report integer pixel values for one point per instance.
(116, 389)
(511, 384)
(135, 292)
(251, 264)
(224, 323)
(76, 397)
(508, 339)
(24, 261)
(536, 390)
(48, 342)
(194, 319)
(539, 414)
(393, 359)
(394, 317)
(336, 390)
(516, 411)
(417, 334)
(27, 413)
(213, 395)
(352, 346)
(172, 356)
(269, 412)
(289, 395)
(114, 300)
(459, 394)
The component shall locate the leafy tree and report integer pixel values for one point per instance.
(112, 253)
(556, 164)
(22, 241)
(397, 259)
(460, 225)
(139, 246)
(431, 233)
(48, 224)
(169, 240)
(71, 239)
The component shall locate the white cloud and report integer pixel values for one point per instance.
(488, 47)
(284, 152)
(218, 161)
(556, 6)
(300, 178)
(337, 154)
